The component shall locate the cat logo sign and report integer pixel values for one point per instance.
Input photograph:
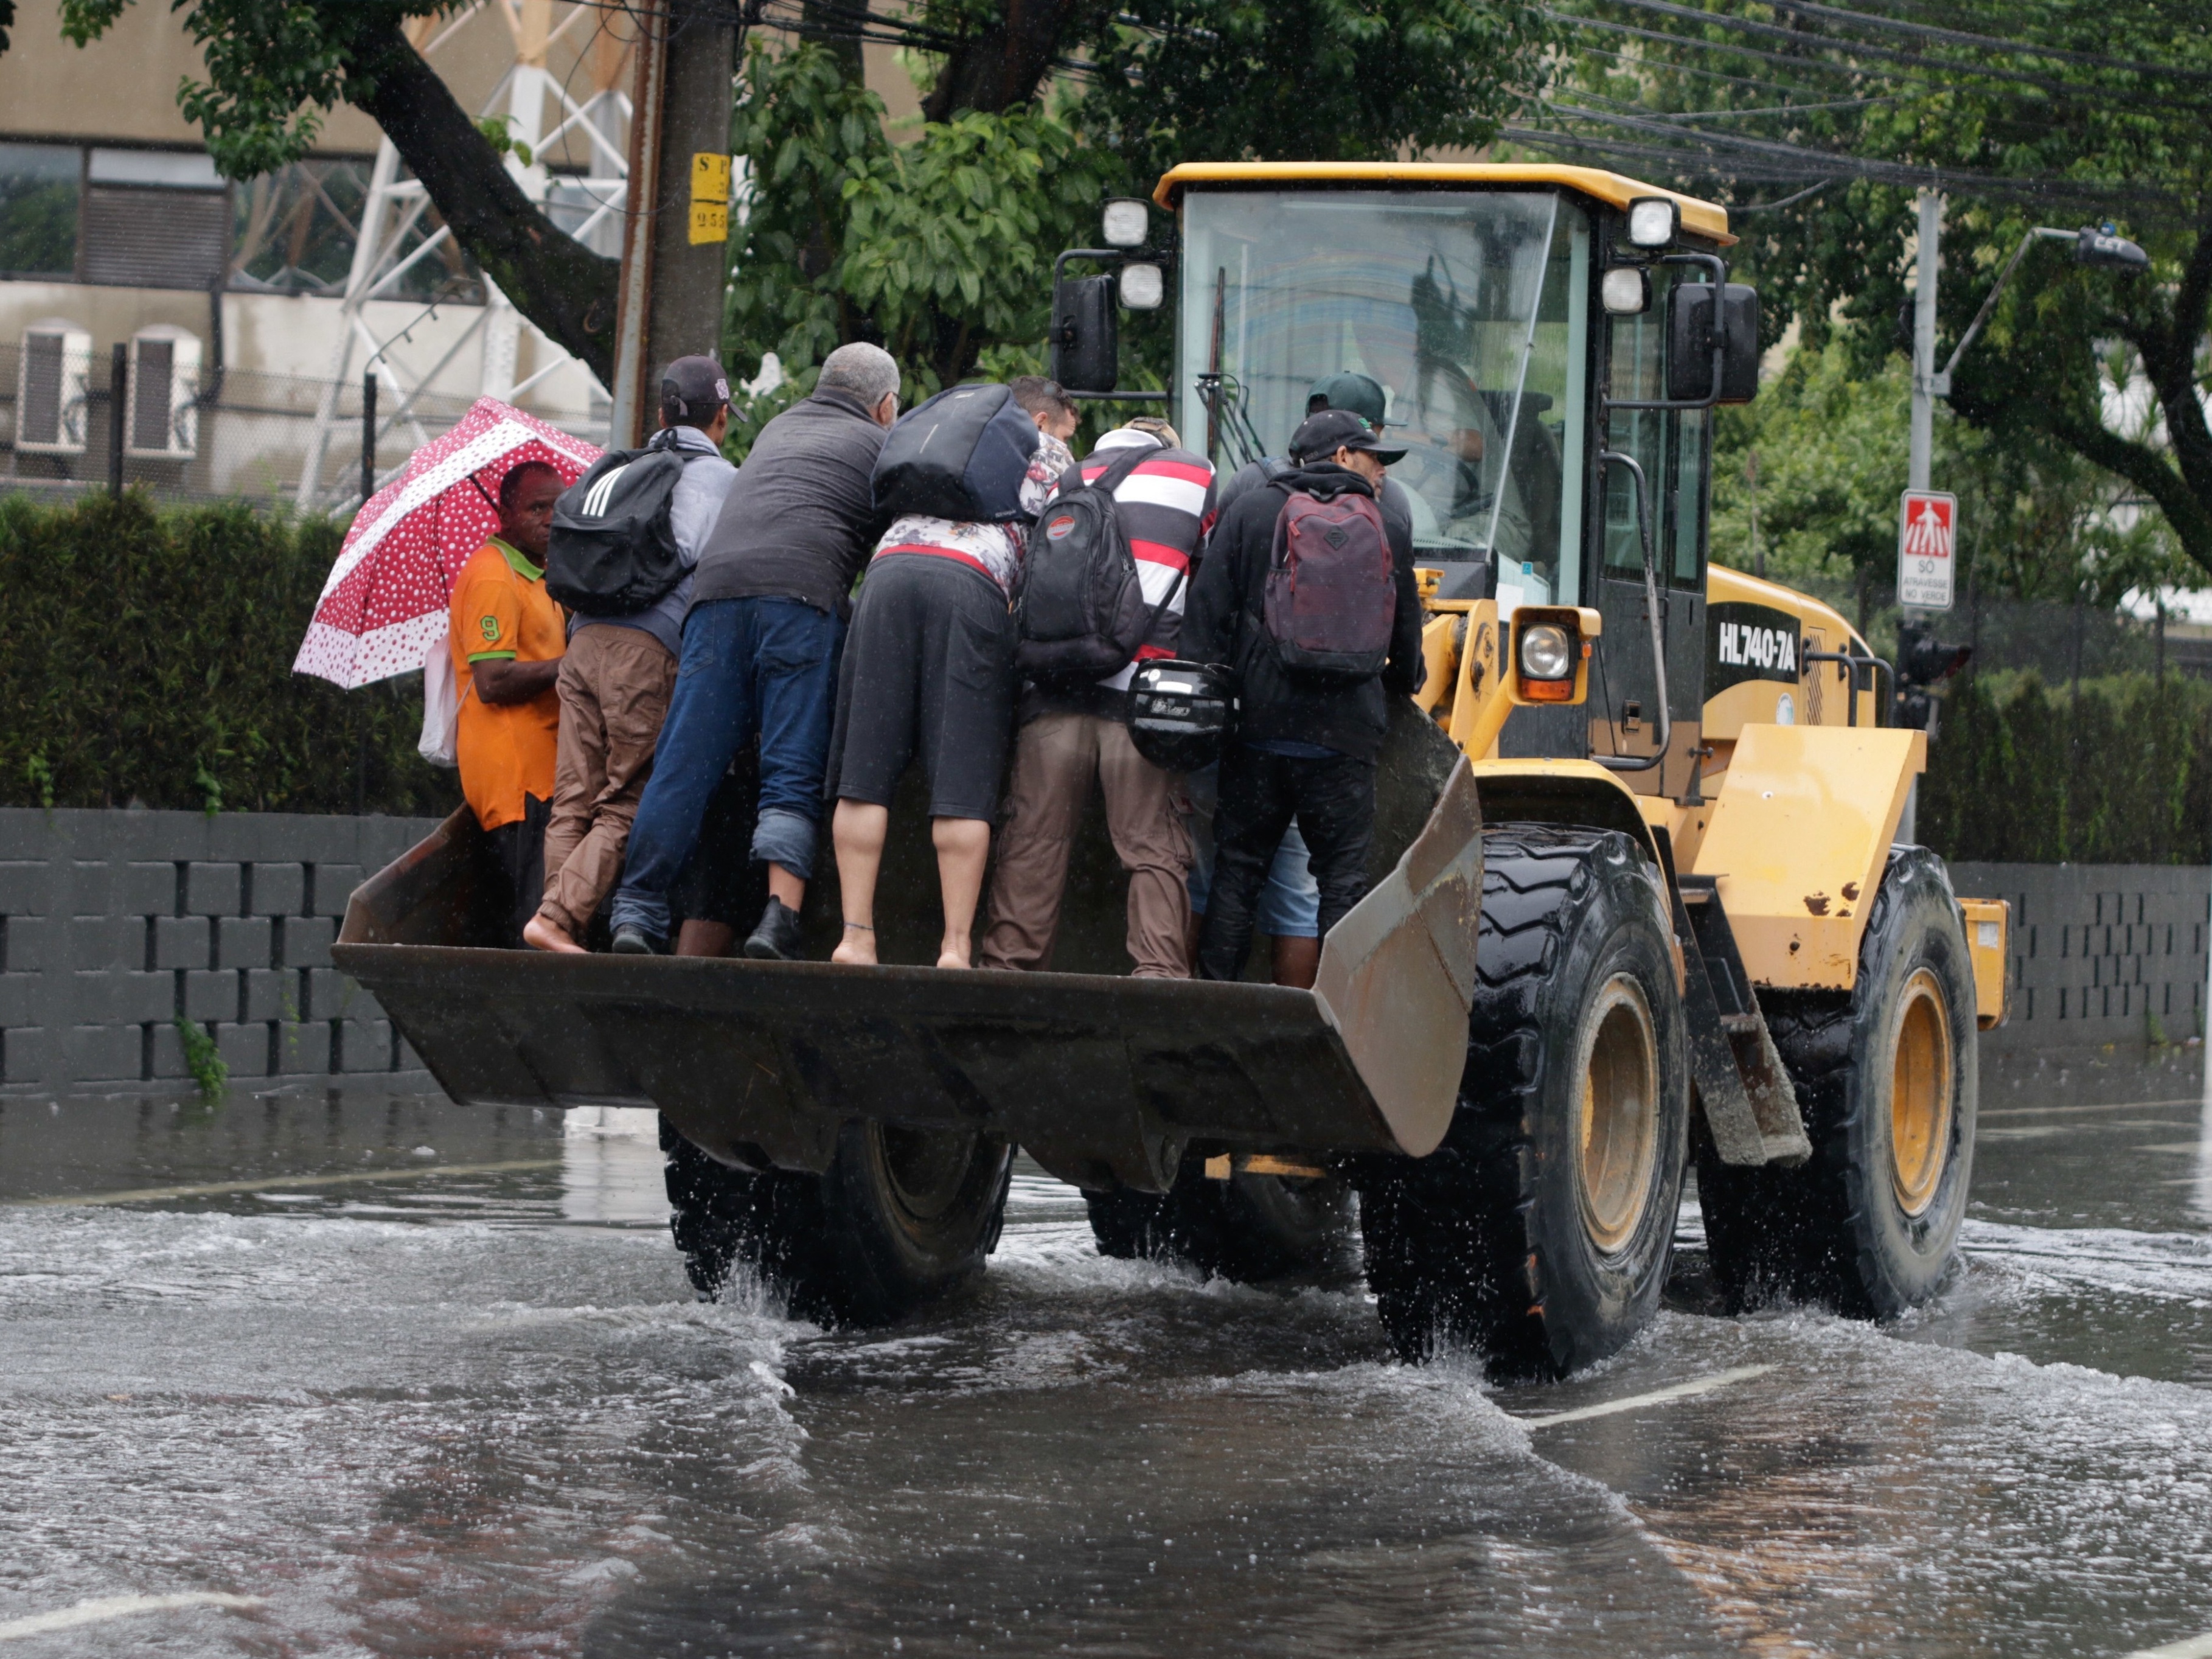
(1927, 534)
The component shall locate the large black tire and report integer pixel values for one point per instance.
(1248, 1228)
(900, 1217)
(1886, 1076)
(1540, 1232)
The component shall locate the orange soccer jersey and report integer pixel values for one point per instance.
(501, 611)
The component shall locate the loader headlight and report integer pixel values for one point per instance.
(1547, 653)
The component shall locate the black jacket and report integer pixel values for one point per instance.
(1224, 625)
(800, 518)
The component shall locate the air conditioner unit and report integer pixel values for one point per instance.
(165, 388)
(52, 384)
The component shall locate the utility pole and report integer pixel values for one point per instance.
(1924, 387)
(676, 229)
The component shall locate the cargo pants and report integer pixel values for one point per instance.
(1055, 758)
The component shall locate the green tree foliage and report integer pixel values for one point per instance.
(2119, 773)
(940, 250)
(936, 250)
(2025, 113)
(147, 656)
(2037, 521)
(1313, 80)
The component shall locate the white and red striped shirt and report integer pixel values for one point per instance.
(1165, 505)
(996, 550)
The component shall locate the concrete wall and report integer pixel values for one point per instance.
(114, 923)
(2099, 950)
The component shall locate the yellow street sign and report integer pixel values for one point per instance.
(710, 222)
(710, 177)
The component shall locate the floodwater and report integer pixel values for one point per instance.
(423, 1381)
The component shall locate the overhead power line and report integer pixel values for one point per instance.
(1910, 175)
(1867, 48)
(1994, 43)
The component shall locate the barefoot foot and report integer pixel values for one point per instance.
(539, 934)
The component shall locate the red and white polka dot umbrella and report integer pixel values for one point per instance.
(386, 602)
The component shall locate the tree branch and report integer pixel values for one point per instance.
(554, 280)
(1001, 65)
(2149, 470)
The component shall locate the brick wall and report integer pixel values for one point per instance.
(2099, 950)
(114, 923)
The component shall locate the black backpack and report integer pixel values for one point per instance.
(1081, 611)
(962, 455)
(612, 551)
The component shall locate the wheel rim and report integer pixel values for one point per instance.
(1618, 1138)
(1920, 1095)
(927, 1168)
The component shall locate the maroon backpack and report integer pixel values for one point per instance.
(1330, 597)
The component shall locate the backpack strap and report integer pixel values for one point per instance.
(1117, 471)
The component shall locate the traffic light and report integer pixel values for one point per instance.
(1924, 662)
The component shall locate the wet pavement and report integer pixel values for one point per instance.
(351, 1374)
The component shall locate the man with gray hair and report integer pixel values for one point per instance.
(760, 648)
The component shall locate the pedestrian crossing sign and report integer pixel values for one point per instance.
(1927, 534)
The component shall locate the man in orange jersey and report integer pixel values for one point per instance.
(508, 637)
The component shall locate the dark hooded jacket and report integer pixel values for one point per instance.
(1224, 625)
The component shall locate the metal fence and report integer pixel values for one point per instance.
(185, 433)
(2060, 642)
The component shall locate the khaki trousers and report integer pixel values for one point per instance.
(614, 687)
(1056, 756)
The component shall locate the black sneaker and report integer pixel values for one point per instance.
(632, 940)
(776, 939)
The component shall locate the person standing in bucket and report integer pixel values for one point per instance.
(1290, 903)
(760, 649)
(930, 675)
(1309, 599)
(1071, 733)
(507, 637)
(615, 678)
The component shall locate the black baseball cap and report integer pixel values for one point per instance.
(698, 384)
(1319, 436)
(1361, 394)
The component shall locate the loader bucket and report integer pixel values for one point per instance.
(1100, 1077)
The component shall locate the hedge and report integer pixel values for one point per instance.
(146, 655)
(2119, 773)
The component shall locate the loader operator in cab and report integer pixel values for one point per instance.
(1307, 594)
(508, 635)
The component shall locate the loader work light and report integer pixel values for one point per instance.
(1128, 223)
(1653, 222)
(1143, 287)
(1626, 291)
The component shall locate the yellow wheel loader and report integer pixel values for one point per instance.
(1638, 900)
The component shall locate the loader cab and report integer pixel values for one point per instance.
(1538, 364)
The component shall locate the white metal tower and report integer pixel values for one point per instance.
(526, 95)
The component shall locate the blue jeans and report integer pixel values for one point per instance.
(749, 666)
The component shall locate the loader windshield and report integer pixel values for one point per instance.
(1471, 307)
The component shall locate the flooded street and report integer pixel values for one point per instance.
(358, 1375)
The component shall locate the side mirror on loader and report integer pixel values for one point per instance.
(1692, 334)
(1086, 337)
